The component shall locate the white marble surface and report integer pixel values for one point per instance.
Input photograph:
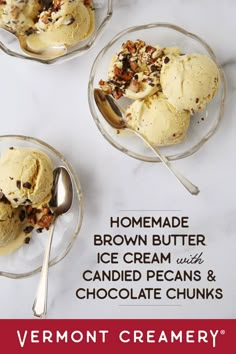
(50, 103)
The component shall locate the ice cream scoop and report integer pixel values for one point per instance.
(10, 223)
(62, 196)
(189, 81)
(65, 23)
(26, 176)
(157, 120)
(115, 117)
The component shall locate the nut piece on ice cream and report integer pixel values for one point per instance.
(65, 22)
(19, 15)
(10, 223)
(189, 81)
(26, 176)
(158, 121)
(134, 71)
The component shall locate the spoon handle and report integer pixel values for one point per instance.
(40, 303)
(183, 180)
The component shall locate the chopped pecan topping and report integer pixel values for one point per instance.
(130, 46)
(45, 17)
(56, 5)
(133, 65)
(45, 221)
(122, 74)
(88, 2)
(134, 86)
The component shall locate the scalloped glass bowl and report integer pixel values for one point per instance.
(103, 13)
(203, 124)
(27, 260)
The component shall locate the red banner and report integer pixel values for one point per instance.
(118, 336)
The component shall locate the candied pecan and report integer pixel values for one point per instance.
(150, 49)
(45, 221)
(105, 86)
(45, 18)
(88, 2)
(124, 75)
(117, 93)
(134, 86)
(133, 65)
(56, 5)
(139, 44)
(15, 11)
(129, 45)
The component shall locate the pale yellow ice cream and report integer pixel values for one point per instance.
(189, 81)
(26, 176)
(66, 22)
(157, 120)
(10, 224)
(19, 15)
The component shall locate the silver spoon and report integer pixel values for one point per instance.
(60, 203)
(44, 53)
(114, 115)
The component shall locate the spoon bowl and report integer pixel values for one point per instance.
(114, 115)
(42, 53)
(60, 203)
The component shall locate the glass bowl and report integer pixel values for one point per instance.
(27, 260)
(203, 124)
(103, 12)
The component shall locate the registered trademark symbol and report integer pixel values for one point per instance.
(222, 332)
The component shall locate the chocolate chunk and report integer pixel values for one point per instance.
(30, 31)
(11, 178)
(11, 148)
(154, 68)
(27, 185)
(39, 230)
(28, 229)
(197, 100)
(15, 200)
(27, 240)
(166, 60)
(18, 184)
(3, 199)
(69, 21)
(22, 215)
